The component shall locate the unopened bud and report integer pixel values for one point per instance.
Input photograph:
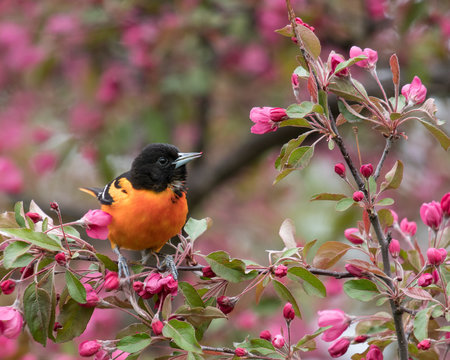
(157, 326)
(54, 206)
(35, 217)
(240, 352)
(266, 335)
(394, 248)
(207, 272)
(358, 196)
(366, 170)
(226, 304)
(281, 271)
(111, 281)
(288, 312)
(339, 169)
(89, 348)
(8, 286)
(60, 258)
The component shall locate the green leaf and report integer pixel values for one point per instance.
(440, 136)
(286, 31)
(259, 346)
(182, 334)
(232, 270)
(191, 295)
(372, 185)
(35, 238)
(37, 310)
(287, 149)
(344, 204)
(194, 228)
(76, 288)
(296, 111)
(198, 315)
(348, 63)
(74, 319)
(282, 175)
(307, 343)
(109, 264)
(16, 255)
(194, 356)
(329, 254)
(301, 72)
(385, 217)
(417, 293)
(297, 122)
(300, 157)
(134, 343)
(385, 202)
(19, 214)
(393, 178)
(361, 289)
(327, 196)
(285, 294)
(421, 324)
(316, 286)
(342, 86)
(310, 40)
(350, 116)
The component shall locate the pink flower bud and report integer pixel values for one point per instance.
(339, 347)
(300, 22)
(372, 56)
(11, 322)
(54, 206)
(339, 169)
(281, 271)
(431, 214)
(8, 286)
(226, 304)
(288, 312)
(294, 81)
(415, 93)
(435, 275)
(366, 170)
(240, 352)
(277, 114)
(353, 235)
(395, 216)
(96, 222)
(445, 204)
(207, 272)
(60, 258)
(139, 287)
(425, 279)
(424, 344)
(92, 298)
(111, 281)
(266, 335)
(355, 271)
(89, 348)
(394, 248)
(408, 227)
(35, 217)
(262, 119)
(57, 326)
(153, 283)
(360, 339)
(436, 256)
(358, 196)
(335, 60)
(374, 353)
(338, 320)
(157, 326)
(278, 341)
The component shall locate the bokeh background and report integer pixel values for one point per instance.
(85, 85)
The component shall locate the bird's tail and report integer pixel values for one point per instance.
(91, 191)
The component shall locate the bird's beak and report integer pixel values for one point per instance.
(184, 158)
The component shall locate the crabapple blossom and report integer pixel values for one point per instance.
(366, 170)
(374, 353)
(436, 256)
(11, 322)
(394, 248)
(408, 227)
(288, 312)
(8, 286)
(339, 347)
(372, 56)
(89, 348)
(358, 196)
(278, 341)
(353, 235)
(416, 92)
(96, 223)
(338, 320)
(339, 169)
(431, 214)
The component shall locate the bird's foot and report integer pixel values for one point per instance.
(169, 265)
(124, 271)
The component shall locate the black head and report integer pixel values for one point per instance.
(156, 168)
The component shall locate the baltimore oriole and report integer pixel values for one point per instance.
(147, 203)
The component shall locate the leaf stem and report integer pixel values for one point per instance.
(387, 148)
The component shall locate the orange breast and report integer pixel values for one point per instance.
(142, 219)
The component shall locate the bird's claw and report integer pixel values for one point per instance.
(122, 264)
(169, 265)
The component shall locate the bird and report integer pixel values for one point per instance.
(148, 203)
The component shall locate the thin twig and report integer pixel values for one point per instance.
(387, 147)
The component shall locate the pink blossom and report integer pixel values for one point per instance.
(372, 56)
(360, 338)
(366, 170)
(408, 227)
(281, 271)
(240, 352)
(8, 286)
(333, 286)
(8, 346)
(355, 271)
(11, 322)
(339, 347)
(246, 320)
(63, 24)
(424, 344)
(425, 279)
(61, 259)
(431, 214)
(339, 169)
(35, 217)
(358, 196)
(435, 275)
(96, 222)
(111, 85)
(89, 348)
(207, 272)
(41, 135)
(377, 8)
(395, 216)
(44, 162)
(92, 298)
(294, 80)
(266, 335)
(353, 235)
(394, 248)
(278, 341)
(157, 326)
(436, 256)
(374, 353)
(335, 60)
(300, 22)
(264, 123)
(337, 319)
(288, 312)
(11, 180)
(226, 304)
(277, 114)
(111, 281)
(445, 204)
(254, 59)
(84, 119)
(415, 93)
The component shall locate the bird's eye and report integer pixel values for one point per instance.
(163, 161)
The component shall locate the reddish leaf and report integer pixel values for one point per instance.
(395, 68)
(366, 222)
(417, 293)
(329, 254)
(366, 266)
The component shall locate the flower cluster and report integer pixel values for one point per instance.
(156, 284)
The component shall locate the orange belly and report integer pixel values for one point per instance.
(146, 220)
